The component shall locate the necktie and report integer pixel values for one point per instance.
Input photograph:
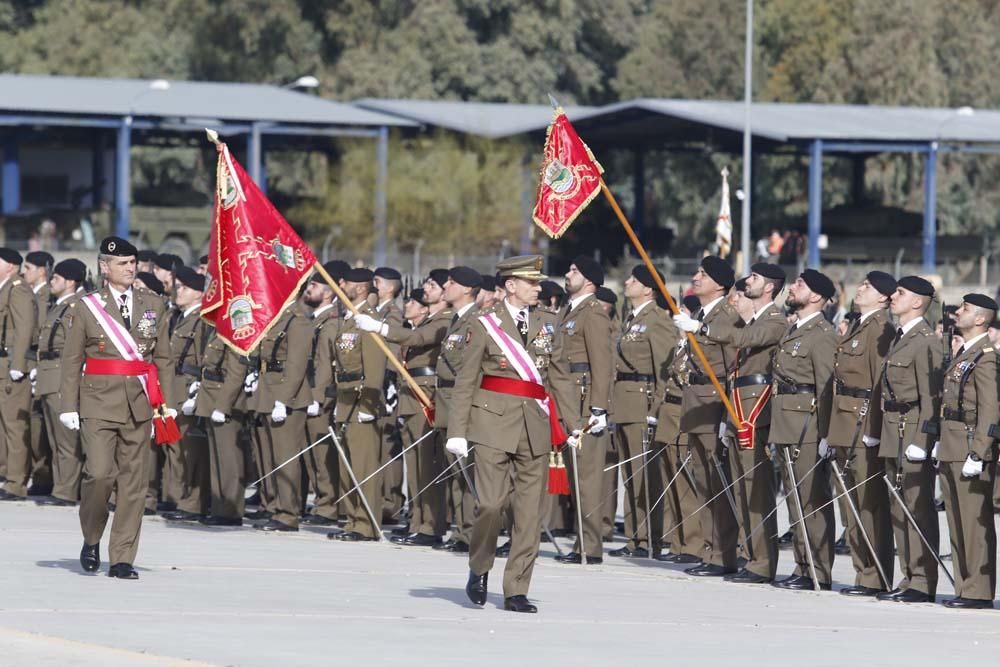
(628, 321)
(123, 309)
(454, 319)
(522, 325)
(701, 315)
(960, 352)
(899, 334)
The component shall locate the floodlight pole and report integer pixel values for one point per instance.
(747, 97)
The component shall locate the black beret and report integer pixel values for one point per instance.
(772, 271)
(489, 282)
(203, 259)
(10, 256)
(361, 275)
(606, 295)
(440, 276)
(740, 285)
(388, 273)
(117, 247)
(549, 290)
(692, 303)
(917, 285)
(590, 269)
(719, 270)
(337, 268)
(981, 300)
(642, 274)
(39, 258)
(883, 283)
(71, 269)
(145, 256)
(188, 277)
(818, 283)
(151, 282)
(168, 262)
(417, 294)
(465, 276)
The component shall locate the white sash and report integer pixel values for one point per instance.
(515, 353)
(120, 337)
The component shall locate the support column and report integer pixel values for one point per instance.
(639, 194)
(381, 183)
(97, 170)
(255, 156)
(11, 175)
(123, 182)
(930, 210)
(815, 201)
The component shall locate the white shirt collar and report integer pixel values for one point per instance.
(191, 309)
(798, 325)
(909, 325)
(464, 309)
(638, 309)
(514, 310)
(64, 297)
(576, 301)
(322, 309)
(969, 343)
(116, 296)
(869, 314)
(38, 288)
(710, 305)
(760, 312)
(3, 282)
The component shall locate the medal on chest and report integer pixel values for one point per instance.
(795, 348)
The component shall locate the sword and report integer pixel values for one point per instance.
(831, 501)
(712, 499)
(732, 501)
(790, 470)
(290, 459)
(781, 500)
(621, 463)
(376, 525)
(385, 465)
(857, 517)
(669, 484)
(579, 508)
(646, 437)
(434, 481)
(913, 522)
(625, 481)
(467, 476)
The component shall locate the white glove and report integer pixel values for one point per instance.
(368, 323)
(250, 383)
(187, 407)
(218, 417)
(651, 421)
(193, 389)
(870, 442)
(971, 468)
(575, 440)
(686, 323)
(390, 393)
(364, 417)
(597, 423)
(825, 450)
(457, 446)
(934, 449)
(33, 374)
(723, 430)
(915, 454)
(279, 413)
(16, 375)
(170, 412)
(70, 420)
(313, 409)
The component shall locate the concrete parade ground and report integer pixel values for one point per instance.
(236, 596)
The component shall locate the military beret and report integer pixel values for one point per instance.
(10, 256)
(337, 268)
(168, 262)
(772, 271)
(692, 303)
(883, 283)
(203, 259)
(642, 274)
(151, 282)
(606, 295)
(740, 285)
(590, 269)
(145, 255)
(818, 283)
(465, 276)
(719, 270)
(440, 276)
(981, 300)
(417, 294)
(361, 275)
(188, 277)
(388, 273)
(39, 258)
(71, 269)
(549, 290)
(489, 282)
(117, 247)
(917, 285)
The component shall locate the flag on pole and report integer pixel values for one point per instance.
(570, 178)
(256, 261)
(724, 225)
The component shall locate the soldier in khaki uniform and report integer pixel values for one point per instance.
(609, 478)
(580, 375)
(67, 457)
(35, 272)
(644, 345)
(800, 420)
(967, 455)
(911, 389)
(112, 411)
(496, 409)
(17, 335)
(856, 430)
(388, 283)
(360, 375)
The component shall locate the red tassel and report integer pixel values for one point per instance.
(165, 430)
(429, 414)
(558, 477)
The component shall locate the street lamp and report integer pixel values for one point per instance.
(306, 82)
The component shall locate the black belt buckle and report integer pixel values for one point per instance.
(445, 384)
(213, 376)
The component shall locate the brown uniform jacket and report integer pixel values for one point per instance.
(17, 326)
(320, 369)
(702, 409)
(187, 349)
(450, 361)
(114, 398)
(804, 356)
(51, 339)
(222, 374)
(41, 314)
(420, 347)
(856, 369)
(360, 368)
(644, 346)
(580, 372)
(969, 404)
(674, 378)
(284, 353)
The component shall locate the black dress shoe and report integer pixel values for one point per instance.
(318, 520)
(475, 588)
(253, 500)
(785, 541)
(574, 558)
(55, 502)
(860, 591)
(401, 531)
(622, 552)
(90, 557)
(680, 559)
(709, 570)
(909, 595)
(7, 495)
(352, 537)
(745, 576)
(39, 490)
(520, 604)
(181, 515)
(454, 546)
(259, 515)
(939, 505)
(968, 603)
(417, 540)
(122, 571)
(799, 583)
(148, 512)
(840, 546)
(503, 551)
(166, 507)
(889, 595)
(219, 521)
(275, 526)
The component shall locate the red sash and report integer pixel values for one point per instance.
(747, 428)
(524, 389)
(131, 369)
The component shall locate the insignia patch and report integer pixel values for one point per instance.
(241, 315)
(347, 341)
(570, 325)
(548, 328)
(503, 363)
(854, 343)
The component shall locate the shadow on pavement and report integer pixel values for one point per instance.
(455, 595)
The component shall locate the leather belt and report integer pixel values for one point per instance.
(958, 415)
(842, 389)
(422, 371)
(699, 379)
(901, 407)
(3, 353)
(581, 367)
(672, 400)
(445, 384)
(350, 377)
(330, 392)
(754, 380)
(783, 388)
(187, 369)
(213, 375)
(634, 377)
(274, 367)
(49, 355)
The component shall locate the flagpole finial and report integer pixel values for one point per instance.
(725, 172)
(553, 102)
(213, 136)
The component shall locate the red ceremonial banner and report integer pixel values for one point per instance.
(570, 178)
(256, 261)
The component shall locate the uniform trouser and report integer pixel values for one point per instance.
(15, 418)
(226, 468)
(463, 503)
(195, 456)
(917, 566)
(968, 503)
(362, 448)
(754, 495)
(718, 525)
(814, 490)
(67, 455)
(590, 458)
(261, 456)
(172, 480)
(155, 461)
(609, 487)
(519, 478)
(323, 466)
(423, 464)
(115, 461)
(286, 439)
(392, 476)
(872, 502)
(41, 449)
(682, 526)
(641, 470)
